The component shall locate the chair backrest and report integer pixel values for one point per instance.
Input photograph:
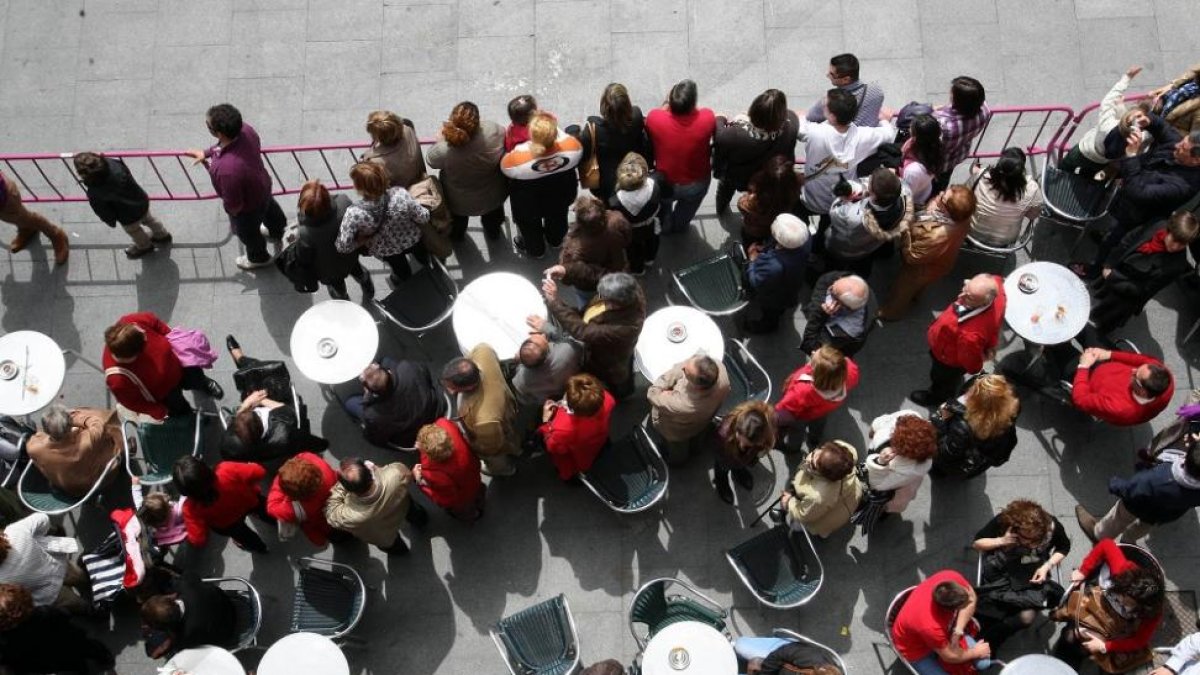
(539, 640)
(1074, 199)
(889, 619)
(1144, 559)
(247, 603)
(161, 444)
(713, 285)
(655, 609)
(748, 380)
(329, 600)
(37, 494)
(829, 656)
(423, 302)
(629, 475)
(779, 566)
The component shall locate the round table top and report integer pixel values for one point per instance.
(206, 660)
(1055, 311)
(304, 653)
(658, 351)
(1037, 664)
(32, 369)
(689, 648)
(333, 341)
(492, 310)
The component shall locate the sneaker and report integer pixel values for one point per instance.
(134, 252)
(247, 264)
(162, 238)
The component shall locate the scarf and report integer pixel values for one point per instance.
(1178, 95)
(1156, 244)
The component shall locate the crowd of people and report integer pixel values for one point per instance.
(874, 183)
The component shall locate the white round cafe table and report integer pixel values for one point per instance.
(656, 353)
(206, 660)
(1037, 664)
(304, 653)
(1053, 313)
(333, 341)
(492, 310)
(689, 648)
(32, 369)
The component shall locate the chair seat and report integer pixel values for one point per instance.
(38, 494)
(713, 285)
(624, 476)
(540, 639)
(1076, 197)
(325, 602)
(421, 302)
(774, 568)
(163, 443)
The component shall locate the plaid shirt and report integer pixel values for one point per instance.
(958, 132)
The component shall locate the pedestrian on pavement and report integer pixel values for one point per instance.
(541, 183)
(116, 197)
(320, 220)
(745, 435)
(812, 392)
(371, 501)
(448, 472)
(467, 155)
(220, 499)
(977, 430)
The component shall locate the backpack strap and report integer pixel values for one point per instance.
(128, 374)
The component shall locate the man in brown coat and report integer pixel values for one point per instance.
(608, 327)
(74, 448)
(486, 407)
(684, 399)
(370, 502)
(594, 246)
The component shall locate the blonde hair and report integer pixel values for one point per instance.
(632, 172)
(828, 368)
(992, 406)
(543, 131)
(435, 443)
(385, 127)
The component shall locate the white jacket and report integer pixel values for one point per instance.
(901, 474)
(1112, 109)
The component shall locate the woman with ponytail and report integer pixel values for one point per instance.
(468, 154)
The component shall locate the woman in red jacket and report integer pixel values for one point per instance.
(448, 473)
(576, 428)
(220, 499)
(818, 388)
(142, 371)
(298, 495)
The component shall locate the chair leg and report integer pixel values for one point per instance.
(1195, 327)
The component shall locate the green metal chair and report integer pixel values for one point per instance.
(714, 285)
(161, 444)
(539, 640)
(329, 600)
(779, 566)
(248, 605)
(748, 380)
(822, 655)
(654, 609)
(629, 476)
(37, 494)
(1075, 201)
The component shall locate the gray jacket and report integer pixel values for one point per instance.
(549, 380)
(470, 174)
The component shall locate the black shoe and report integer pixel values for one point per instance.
(318, 444)
(724, 491)
(213, 389)
(777, 515)
(368, 287)
(744, 479)
(231, 343)
(922, 397)
(397, 548)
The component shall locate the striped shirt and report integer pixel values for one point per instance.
(870, 101)
(958, 132)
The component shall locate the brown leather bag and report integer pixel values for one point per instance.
(1091, 612)
(435, 233)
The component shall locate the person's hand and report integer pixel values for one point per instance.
(535, 323)
(417, 472)
(830, 307)
(1093, 644)
(1077, 577)
(1009, 538)
(784, 498)
(1102, 354)
(976, 168)
(1105, 272)
(886, 114)
(1133, 144)
(943, 412)
(548, 410)
(257, 397)
(885, 456)
(555, 272)
(196, 155)
(1040, 574)
(1088, 358)
(549, 289)
(1133, 71)
(981, 650)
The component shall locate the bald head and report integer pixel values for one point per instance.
(850, 291)
(978, 291)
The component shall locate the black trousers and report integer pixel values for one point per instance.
(193, 379)
(944, 380)
(243, 533)
(491, 221)
(643, 247)
(245, 225)
(337, 289)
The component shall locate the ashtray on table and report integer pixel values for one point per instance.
(676, 332)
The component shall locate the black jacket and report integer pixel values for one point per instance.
(116, 197)
(209, 617)
(412, 402)
(1153, 185)
(612, 146)
(815, 318)
(737, 154)
(317, 239)
(962, 454)
(1154, 496)
(1136, 277)
(283, 437)
(49, 642)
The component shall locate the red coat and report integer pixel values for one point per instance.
(279, 505)
(157, 367)
(238, 493)
(455, 483)
(573, 442)
(964, 344)
(801, 399)
(1104, 391)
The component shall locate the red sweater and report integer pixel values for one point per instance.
(801, 399)
(573, 442)
(237, 494)
(1108, 553)
(454, 483)
(682, 143)
(963, 344)
(1104, 391)
(279, 505)
(157, 367)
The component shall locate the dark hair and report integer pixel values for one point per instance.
(1158, 381)
(707, 372)
(769, 110)
(378, 380)
(605, 667)
(531, 354)
(589, 213)
(354, 475)
(195, 480)
(248, 428)
(124, 340)
(950, 595)
(616, 108)
(967, 96)
(521, 109)
(775, 186)
(462, 373)
(846, 65)
(834, 461)
(90, 166)
(683, 97)
(843, 106)
(1191, 461)
(161, 612)
(886, 186)
(1007, 175)
(225, 119)
(1143, 587)
(926, 134)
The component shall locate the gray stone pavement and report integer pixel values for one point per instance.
(140, 73)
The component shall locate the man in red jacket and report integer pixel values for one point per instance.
(962, 337)
(1121, 388)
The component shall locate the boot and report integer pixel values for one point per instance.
(62, 247)
(1087, 522)
(724, 490)
(22, 240)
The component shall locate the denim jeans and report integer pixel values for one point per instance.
(676, 212)
(932, 665)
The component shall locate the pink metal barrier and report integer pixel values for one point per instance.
(1066, 136)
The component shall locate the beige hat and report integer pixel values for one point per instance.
(789, 231)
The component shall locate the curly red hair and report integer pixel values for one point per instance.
(16, 604)
(914, 437)
(299, 478)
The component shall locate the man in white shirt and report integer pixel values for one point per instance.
(1184, 659)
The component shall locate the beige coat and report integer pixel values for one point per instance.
(680, 410)
(1186, 116)
(74, 464)
(823, 506)
(487, 413)
(375, 518)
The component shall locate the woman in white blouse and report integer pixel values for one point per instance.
(901, 449)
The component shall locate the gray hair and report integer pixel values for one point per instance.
(857, 297)
(56, 421)
(1194, 137)
(618, 288)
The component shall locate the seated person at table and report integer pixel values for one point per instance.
(1121, 388)
(448, 473)
(684, 400)
(825, 491)
(195, 614)
(1146, 261)
(1184, 659)
(397, 399)
(775, 273)
(1122, 612)
(576, 428)
(608, 327)
(486, 407)
(44, 639)
(73, 448)
(930, 629)
(839, 314)
(545, 361)
(142, 371)
(265, 428)
(746, 434)
(781, 656)
(812, 392)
